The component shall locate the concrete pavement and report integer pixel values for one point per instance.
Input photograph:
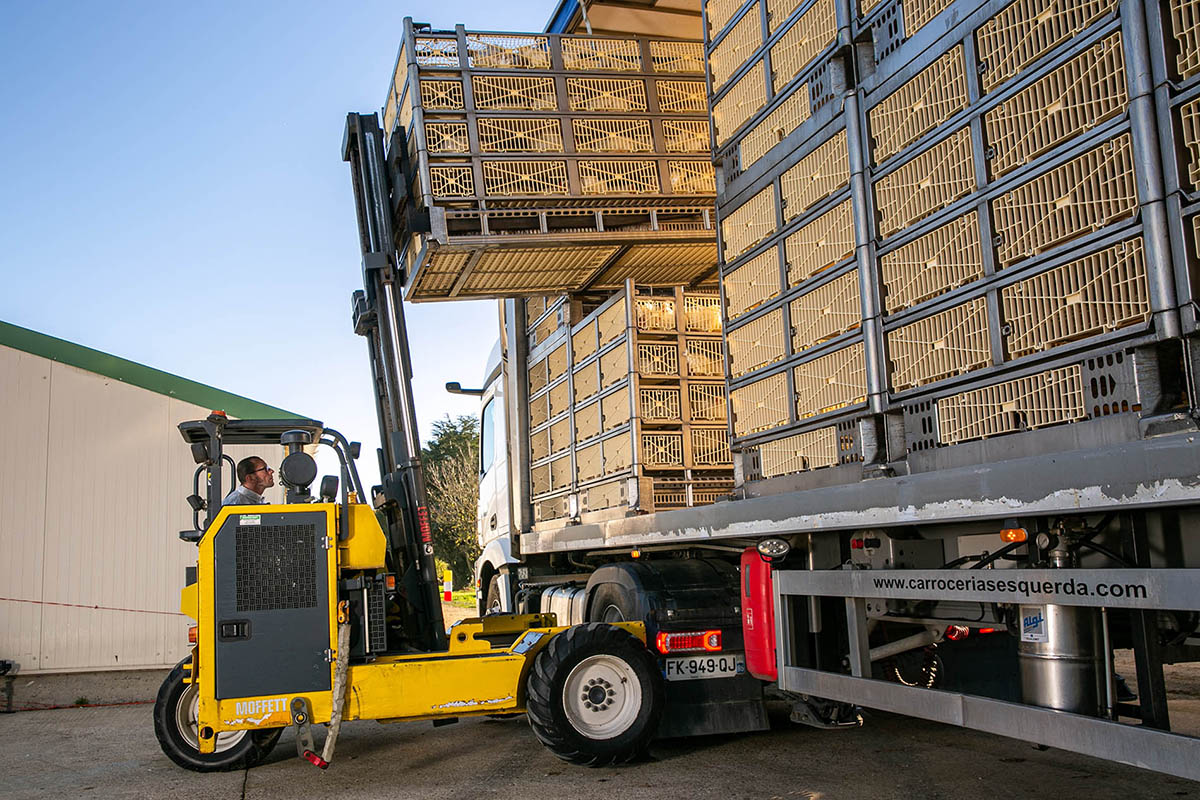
(112, 753)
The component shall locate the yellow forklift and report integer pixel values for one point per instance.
(326, 608)
(307, 614)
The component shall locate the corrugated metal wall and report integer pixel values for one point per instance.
(93, 477)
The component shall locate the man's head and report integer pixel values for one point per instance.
(255, 475)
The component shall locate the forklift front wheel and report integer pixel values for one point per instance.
(595, 696)
(175, 712)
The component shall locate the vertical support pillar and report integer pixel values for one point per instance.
(1147, 652)
(785, 645)
(856, 625)
(631, 355)
(1148, 169)
(464, 69)
(418, 120)
(983, 210)
(868, 279)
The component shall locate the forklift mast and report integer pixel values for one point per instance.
(379, 317)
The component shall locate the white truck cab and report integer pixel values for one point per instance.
(493, 518)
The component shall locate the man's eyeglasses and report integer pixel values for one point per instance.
(262, 469)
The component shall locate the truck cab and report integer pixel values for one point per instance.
(493, 517)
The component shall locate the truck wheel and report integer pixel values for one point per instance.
(612, 603)
(175, 711)
(492, 603)
(594, 696)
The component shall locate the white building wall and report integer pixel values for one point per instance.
(93, 477)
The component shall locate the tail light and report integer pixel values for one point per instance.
(688, 642)
(192, 635)
(957, 633)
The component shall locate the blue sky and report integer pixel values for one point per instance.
(172, 192)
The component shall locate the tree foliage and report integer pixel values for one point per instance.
(451, 459)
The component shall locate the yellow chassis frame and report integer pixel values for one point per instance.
(472, 678)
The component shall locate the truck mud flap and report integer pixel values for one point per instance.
(718, 705)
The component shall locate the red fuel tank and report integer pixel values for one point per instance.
(758, 616)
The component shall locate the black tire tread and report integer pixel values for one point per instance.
(250, 751)
(541, 696)
(493, 591)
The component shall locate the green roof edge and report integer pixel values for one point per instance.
(135, 374)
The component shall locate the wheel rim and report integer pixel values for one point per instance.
(187, 714)
(494, 606)
(602, 697)
(612, 613)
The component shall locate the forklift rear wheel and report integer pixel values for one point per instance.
(175, 712)
(595, 696)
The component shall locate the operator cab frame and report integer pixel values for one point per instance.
(208, 438)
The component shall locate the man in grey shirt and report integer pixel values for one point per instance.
(254, 477)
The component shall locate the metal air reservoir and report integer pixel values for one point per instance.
(1059, 651)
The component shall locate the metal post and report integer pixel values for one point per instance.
(856, 624)
(868, 281)
(1147, 652)
(379, 315)
(1149, 171)
(417, 129)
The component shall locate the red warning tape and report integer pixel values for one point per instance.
(97, 608)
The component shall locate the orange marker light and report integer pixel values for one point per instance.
(1013, 535)
(192, 635)
(389, 583)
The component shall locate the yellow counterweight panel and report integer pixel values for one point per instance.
(366, 546)
(213, 712)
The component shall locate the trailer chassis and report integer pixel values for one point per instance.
(1143, 590)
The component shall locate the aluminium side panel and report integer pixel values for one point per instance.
(25, 401)
(100, 570)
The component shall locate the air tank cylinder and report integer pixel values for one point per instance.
(1061, 663)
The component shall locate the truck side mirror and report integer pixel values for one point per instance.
(454, 387)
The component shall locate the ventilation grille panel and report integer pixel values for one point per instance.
(276, 567)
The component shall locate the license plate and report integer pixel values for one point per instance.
(690, 668)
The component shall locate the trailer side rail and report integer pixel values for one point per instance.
(1139, 746)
